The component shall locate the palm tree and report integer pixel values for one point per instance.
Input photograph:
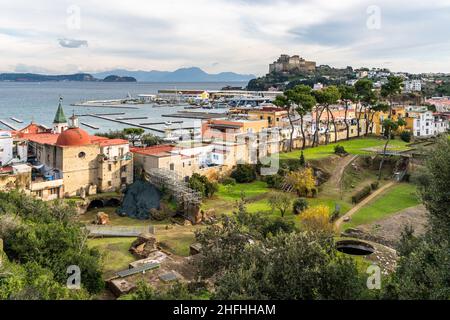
(304, 102)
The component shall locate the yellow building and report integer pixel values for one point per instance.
(274, 116)
(379, 117)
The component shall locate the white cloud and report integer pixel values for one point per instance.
(218, 35)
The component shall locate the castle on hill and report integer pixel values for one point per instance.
(292, 64)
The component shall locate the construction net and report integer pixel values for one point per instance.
(140, 197)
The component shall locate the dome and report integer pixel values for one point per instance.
(73, 137)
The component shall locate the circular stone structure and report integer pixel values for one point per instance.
(354, 247)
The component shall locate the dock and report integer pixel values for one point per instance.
(101, 114)
(16, 120)
(112, 106)
(195, 115)
(132, 118)
(89, 125)
(157, 123)
(6, 124)
(126, 123)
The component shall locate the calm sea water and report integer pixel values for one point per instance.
(38, 101)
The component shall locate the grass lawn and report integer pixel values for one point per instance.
(262, 206)
(396, 198)
(115, 253)
(354, 146)
(226, 197)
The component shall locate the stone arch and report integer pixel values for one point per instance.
(95, 204)
(113, 202)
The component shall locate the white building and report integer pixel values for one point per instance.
(422, 121)
(6, 147)
(412, 86)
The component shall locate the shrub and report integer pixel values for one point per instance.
(302, 159)
(338, 149)
(300, 205)
(317, 219)
(274, 181)
(405, 136)
(244, 173)
(361, 194)
(228, 181)
(203, 185)
(374, 185)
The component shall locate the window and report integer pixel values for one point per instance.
(109, 167)
(123, 180)
(123, 169)
(53, 191)
(109, 183)
(172, 167)
(121, 152)
(82, 155)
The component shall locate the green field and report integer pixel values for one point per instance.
(226, 197)
(115, 253)
(354, 146)
(396, 198)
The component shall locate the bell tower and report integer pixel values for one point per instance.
(73, 121)
(60, 122)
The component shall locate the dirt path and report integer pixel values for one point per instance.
(336, 176)
(333, 185)
(353, 210)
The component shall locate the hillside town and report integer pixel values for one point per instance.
(339, 159)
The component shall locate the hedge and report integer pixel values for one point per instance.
(361, 194)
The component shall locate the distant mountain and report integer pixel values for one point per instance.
(193, 74)
(33, 77)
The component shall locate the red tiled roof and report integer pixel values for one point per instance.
(154, 150)
(52, 138)
(109, 142)
(42, 138)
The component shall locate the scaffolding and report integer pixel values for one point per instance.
(186, 197)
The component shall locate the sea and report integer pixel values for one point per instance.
(34, 101)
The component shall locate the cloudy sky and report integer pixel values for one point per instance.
(217, 35)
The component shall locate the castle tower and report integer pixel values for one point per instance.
(60, 122)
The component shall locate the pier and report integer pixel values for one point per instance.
(16, 120)
(132, 118)
(156, 123)
(6, 124)
(112, 106)
(126, 123)
(89, 125)
(101, 114)
(195, 115)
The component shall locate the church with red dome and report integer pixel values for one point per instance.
(74, 162)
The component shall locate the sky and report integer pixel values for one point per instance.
(47, 36)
